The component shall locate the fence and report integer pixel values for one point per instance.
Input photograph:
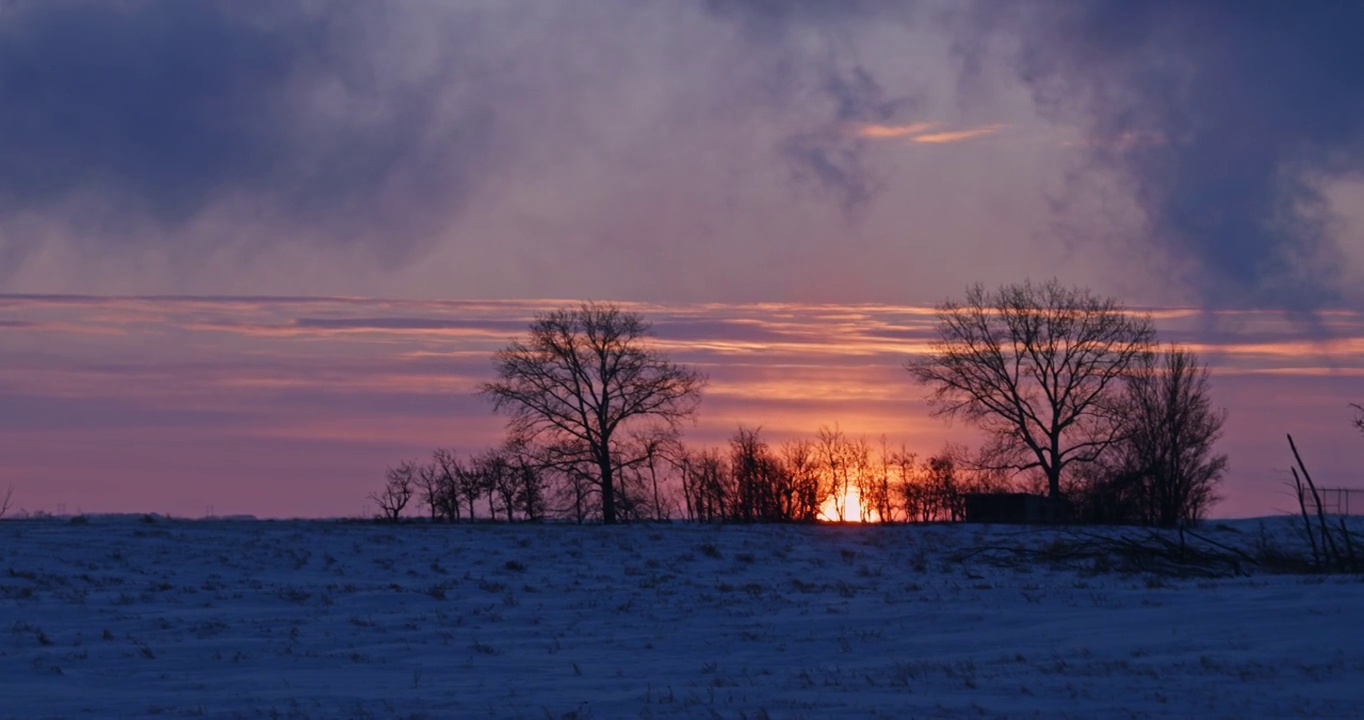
(1335, 501)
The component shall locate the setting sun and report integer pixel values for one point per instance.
(848, 508)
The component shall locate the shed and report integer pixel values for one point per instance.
(1016, 509)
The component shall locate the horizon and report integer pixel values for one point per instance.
(247, 246)
(293, 407)
(283, 259)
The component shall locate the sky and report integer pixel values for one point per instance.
(203, 204)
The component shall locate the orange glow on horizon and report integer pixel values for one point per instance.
(851, 509)
(280, 386)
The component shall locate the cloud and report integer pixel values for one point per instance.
(184, 139)
(193, 124)
(1224, 119)
(920, 132)
(953, 136)
(232, 147)
(824, 155)
(265, 406)
(411, 323)
(895, 131)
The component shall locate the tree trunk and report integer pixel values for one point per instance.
(1053, 480)
(608, 491)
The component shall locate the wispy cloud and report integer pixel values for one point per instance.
(895, 131)
(929, 131)
(294, 384)
(952, 136)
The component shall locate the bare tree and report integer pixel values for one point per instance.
(448, 498)
(845, 464)
(640, 458)
(1359, 416)
(943, 488)
(836, 459)
(707, 485)
(1038, 368)
(908, 499)
(528, 476)
(6, 500)
(576, 492)
(1167, 450)
(656, 450)
(749, 464)
(802, 468)
(931, 489)
(398, 490)
(472, 485)
(430, 487)
(499, 478)
(874, 488)
(585, 375)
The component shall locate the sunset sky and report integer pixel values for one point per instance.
(253, 251)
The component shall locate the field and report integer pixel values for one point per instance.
(135, 617)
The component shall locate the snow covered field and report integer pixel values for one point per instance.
(311, 619)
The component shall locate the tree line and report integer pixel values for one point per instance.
(1072, 392)
(831, 476)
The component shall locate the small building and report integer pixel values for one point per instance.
(1015, 509)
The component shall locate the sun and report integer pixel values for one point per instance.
(847, 509)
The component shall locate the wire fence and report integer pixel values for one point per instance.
(1335, 501)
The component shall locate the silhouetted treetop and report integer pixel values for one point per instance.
(582, 375)
(1039, 368)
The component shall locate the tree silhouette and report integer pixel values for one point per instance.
(754, 470)
(430, 487)
(1039, 368)
(529, 479)
(1167, 448)
(707, 487)
(495, 468)
(840, 460)
(802, 468)
(448, 497)
(585, 375)
(471, 485)
(398, 490)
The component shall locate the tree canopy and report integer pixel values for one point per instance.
(585, 381)
(1039, 368)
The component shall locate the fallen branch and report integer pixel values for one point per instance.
(1148, 552)
(1330, 559)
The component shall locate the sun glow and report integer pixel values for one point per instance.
(848, 508)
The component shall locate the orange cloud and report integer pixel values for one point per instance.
(894, 131)
(959, 135)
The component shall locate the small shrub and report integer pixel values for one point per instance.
(492, 587)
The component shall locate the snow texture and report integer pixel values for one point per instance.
(115, 616)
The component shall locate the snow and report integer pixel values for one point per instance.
(112, 616)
